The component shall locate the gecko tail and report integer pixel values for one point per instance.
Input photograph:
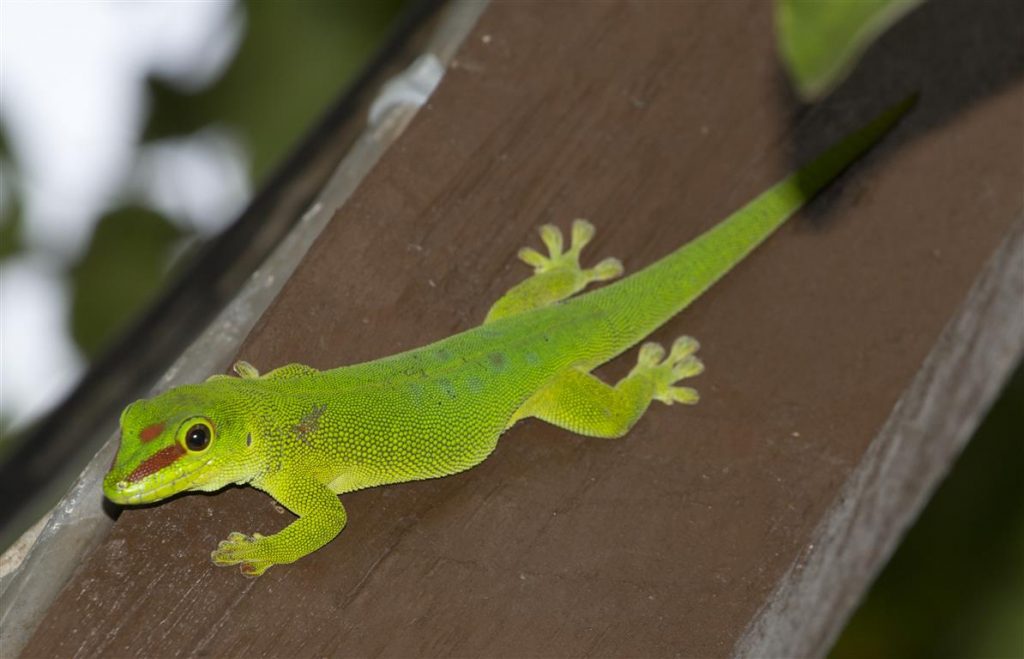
(640, 303)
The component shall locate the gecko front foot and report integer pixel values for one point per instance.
(680, 364)
(244, 551)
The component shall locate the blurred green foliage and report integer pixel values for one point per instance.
(820, 41)
(10, 210)
(127, 259)
(10, 232)
(955, 586)
(294, 59)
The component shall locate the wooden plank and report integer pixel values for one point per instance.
(926, 431)
(654, 120)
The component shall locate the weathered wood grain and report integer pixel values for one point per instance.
(928, 428)
(653, 120)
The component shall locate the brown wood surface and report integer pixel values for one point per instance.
(654, 121)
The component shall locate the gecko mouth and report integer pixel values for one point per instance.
(152, 487)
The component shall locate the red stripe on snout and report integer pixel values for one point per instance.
(149, 433)
(156, 462)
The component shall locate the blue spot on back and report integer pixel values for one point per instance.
(496, 360)
(447, 387)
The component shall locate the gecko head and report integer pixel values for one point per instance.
(193, 437)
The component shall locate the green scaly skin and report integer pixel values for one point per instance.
(305, 436)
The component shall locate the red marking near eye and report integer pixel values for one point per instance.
(149, 433)
(156, 462)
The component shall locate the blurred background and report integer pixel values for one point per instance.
(129, 132)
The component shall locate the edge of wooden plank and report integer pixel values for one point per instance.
(925, 433)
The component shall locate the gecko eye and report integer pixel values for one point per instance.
(198, 437)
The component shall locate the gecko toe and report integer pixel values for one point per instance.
(582, 233)
(666, 371)
(253, 569)
(238, 548)
(551, 236)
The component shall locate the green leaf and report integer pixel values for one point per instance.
(820, 41)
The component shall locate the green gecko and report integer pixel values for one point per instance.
(304, 436)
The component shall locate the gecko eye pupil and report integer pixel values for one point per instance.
(198, 437)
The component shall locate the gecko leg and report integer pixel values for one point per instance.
(321, 518)
(247, 371)
(556, 276)
(578, 401)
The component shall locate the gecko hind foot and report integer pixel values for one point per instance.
(556, 276)
(666, 372)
